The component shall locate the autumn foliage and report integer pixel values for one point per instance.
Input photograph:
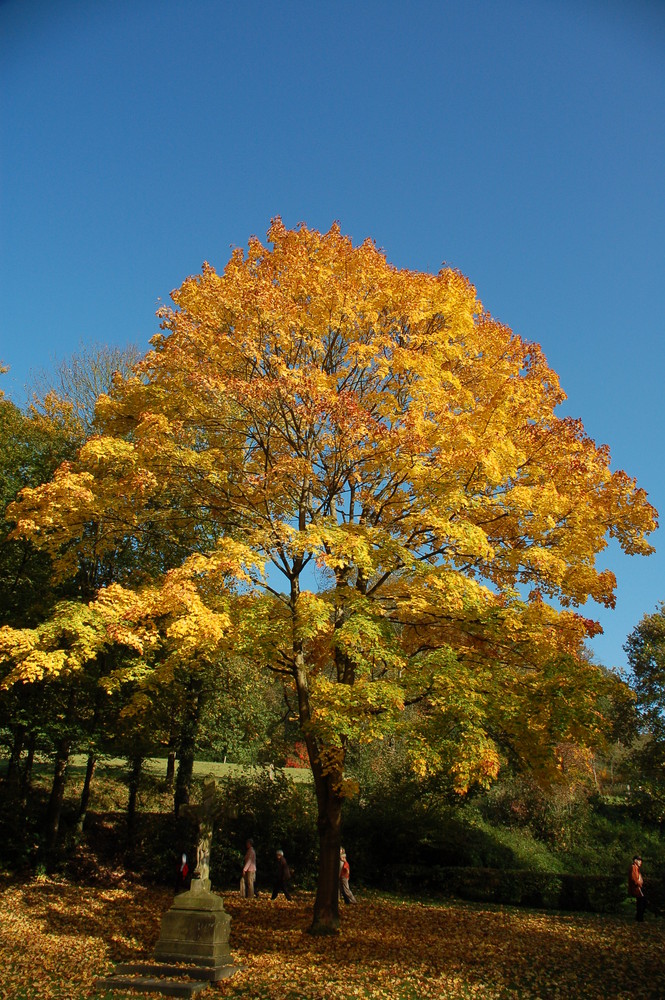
(359, 481)
(57, 939)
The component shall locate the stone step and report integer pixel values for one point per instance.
(212, 974)
(147, 984)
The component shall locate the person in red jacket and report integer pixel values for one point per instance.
(344, 873)
(636, 887)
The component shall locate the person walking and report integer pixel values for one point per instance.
(344, 873)
(249, 870)
(636, 887)
(282, 879)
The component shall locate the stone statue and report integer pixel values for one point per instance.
(196, 929)
(205, 814)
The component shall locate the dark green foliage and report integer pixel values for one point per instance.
(613, 832)
(399, 824)
(555, 816)
(31, 448)
(275, 812)
(645, 647)
(444, 838)
(398, 819)
(21, 829)
(241, 712)
(591, 893)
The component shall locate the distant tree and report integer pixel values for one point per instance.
(243, 711)
(645, 648)
(35, 603)
(33, 443)
(82, 377)
(32, 446)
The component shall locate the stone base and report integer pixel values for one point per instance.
(145, 984)
(207, 973)
(196, 929)
(169, 980)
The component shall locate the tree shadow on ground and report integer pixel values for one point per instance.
(386, 948)
(532, 953)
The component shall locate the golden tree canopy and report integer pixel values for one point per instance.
(374, 453)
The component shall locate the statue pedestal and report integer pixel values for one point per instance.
(196, 929)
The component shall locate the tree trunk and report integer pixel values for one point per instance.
(26, 777)
(134, 781)
(85, 793)
(327, 770)
(187, 746)
(327, 765)
(13, 766)
(183, 780)
(54, 808)
(325, 919)
(170, 770)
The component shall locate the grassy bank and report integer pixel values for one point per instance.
(156, 767)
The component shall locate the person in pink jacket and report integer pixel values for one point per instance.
(249, 870)
(344, 873)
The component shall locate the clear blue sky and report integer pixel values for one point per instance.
(522, 141)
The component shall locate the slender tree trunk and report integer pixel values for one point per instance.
(85, 793)
(134, 781)
(54, 808)
(14, 764)
(183, 782)
(187, 747)
(327, 765)
(170, 770)
(328, 770)
(62, 751)
(26, 777)
(91, 763)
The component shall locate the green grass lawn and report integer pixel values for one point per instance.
(157, 766)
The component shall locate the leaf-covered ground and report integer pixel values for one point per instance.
(56, 939)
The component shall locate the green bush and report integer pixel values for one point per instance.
(547, 890)
(274, 811)
(379, 835)
(613, 834)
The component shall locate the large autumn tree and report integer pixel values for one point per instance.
(384, 507)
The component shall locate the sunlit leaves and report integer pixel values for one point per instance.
(57, 939)
(358, 468)
(62, 645)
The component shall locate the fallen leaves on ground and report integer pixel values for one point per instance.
(57, 939)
